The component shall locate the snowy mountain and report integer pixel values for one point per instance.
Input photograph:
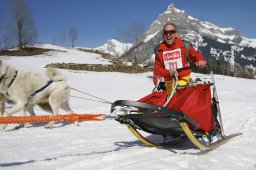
(221, 43)
(114, 47)
(109, 145)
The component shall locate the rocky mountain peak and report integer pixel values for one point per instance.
(171, 7)
(114, 47)
(215, 41)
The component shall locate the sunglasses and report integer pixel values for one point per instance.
(170, 32)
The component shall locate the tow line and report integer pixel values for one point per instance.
(47, 118)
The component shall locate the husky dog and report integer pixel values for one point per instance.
(26, 89)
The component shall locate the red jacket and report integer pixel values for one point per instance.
(160, 69)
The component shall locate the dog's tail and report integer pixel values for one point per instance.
(54, 74)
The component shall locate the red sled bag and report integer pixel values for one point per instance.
(155, 98)
(192, 101)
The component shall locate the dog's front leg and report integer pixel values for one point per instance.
(22, 125)
(55, 112)
(31, 111)
(2, 105)
(2, 126)
(19, 106)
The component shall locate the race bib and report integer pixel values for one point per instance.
(172, 59)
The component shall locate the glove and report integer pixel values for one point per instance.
(161, 86)
(201, 64)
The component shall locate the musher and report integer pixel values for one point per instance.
(171, 55)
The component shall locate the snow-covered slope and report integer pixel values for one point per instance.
(114, 47)
(58, 55)
(108, 145)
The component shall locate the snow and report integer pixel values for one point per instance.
(209, 25)
(108, 145)
(114, 47)
(192, 18)
(60, 55)
(150, 36)
(248, 42)
(224, 34)
(172, 7)
(220, 33)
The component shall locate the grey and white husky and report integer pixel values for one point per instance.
(26, 89)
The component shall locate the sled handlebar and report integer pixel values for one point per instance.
(185, 68)
(189, 67)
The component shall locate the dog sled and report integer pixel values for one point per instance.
(189, 112)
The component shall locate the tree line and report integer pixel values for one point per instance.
(225, 68)
(20, 30)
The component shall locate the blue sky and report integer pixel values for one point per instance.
(99, 20)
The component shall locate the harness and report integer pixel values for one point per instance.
(42, 88)
(35, 92)
(9, 85)
(1, 78)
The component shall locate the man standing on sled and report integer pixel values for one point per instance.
(171, 55)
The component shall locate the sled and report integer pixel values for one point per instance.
(191, 112)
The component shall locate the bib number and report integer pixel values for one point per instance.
(172, 59)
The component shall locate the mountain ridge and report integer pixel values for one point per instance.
(114, 47)
(223, 44)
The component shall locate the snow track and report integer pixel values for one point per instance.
(108, 145)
